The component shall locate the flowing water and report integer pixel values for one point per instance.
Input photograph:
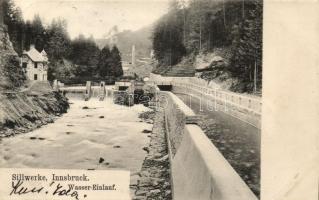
(100, 136)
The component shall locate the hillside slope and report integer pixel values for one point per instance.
(23, 106)
(11, 75)
(140, 38)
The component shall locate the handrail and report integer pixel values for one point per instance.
(248, 102)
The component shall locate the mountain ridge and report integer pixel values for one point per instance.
(141, 38)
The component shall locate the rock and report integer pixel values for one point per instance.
(168, 192)
(209, 61)
(85, 108)
(146, 131)
(140, 195)
(146, 149)
(145, 174)
(134, 180)
(238, 150)
(116, 146)
(164, 158)
(101, 160)
(155, 192)
(166, 184)
(248, 164)
(149, 121)
(145, 181)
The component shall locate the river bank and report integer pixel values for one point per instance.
(153, 181)
(29, 109)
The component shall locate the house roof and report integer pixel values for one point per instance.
(45, 55)
(34, 55)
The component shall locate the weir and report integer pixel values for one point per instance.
(88, 91)
(102, 91)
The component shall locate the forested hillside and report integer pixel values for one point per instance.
(74, 60)
(220, 39)
(140, 38)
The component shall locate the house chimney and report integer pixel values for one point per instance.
(32, 46)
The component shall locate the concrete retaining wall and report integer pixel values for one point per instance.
(199, 171)
(178, 114)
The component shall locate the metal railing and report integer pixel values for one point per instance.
(195, 85)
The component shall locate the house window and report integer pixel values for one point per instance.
(35, 77)
(24, 65)
(35, 65)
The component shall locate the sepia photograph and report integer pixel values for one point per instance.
(168, 90)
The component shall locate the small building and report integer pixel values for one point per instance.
(35, 64)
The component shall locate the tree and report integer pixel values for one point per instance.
(104, 62)
(247, 47)
(58, 45)
(14, 21)
(38, 33)
(116, 64)
(168, 38)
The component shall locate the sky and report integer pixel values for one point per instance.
(96, 17)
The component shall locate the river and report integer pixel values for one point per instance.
(104, 136)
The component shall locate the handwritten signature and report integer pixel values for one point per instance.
(18, 188)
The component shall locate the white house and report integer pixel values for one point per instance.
(35, 64)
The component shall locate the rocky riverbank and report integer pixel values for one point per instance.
(153, 180)
(21, 112)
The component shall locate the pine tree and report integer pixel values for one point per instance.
(104, 63)
(116, 62)
(38, 33)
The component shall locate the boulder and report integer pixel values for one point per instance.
(208, 62)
